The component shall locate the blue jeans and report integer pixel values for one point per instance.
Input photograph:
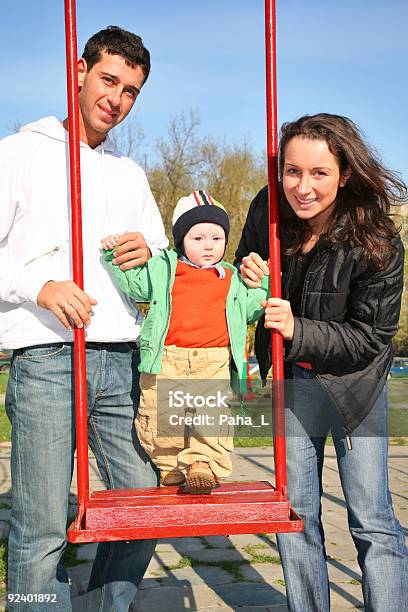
(377, 534)
(39, 403)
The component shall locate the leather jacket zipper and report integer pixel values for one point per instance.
(306, 283)
(288, 278)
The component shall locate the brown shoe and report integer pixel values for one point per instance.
(200, 478)
(172, 479)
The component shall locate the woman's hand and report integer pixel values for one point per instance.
(253, 269)
(278, 315)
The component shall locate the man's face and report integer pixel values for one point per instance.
(107, 94)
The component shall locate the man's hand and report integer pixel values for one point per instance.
(68, 302)
(253, 269)
(131, 250)
(278, 315)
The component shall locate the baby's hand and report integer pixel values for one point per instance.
(110, 241)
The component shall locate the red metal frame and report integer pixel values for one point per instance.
(274, 241)
(170, 512)
(78, 274)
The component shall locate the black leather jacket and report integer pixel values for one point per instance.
(349, 315)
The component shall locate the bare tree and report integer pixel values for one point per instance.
(180, 163)
(15, 127)
(130, 139)
(186, 161)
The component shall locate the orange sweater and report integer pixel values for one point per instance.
(198, 313)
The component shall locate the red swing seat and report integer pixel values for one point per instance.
(168, 512)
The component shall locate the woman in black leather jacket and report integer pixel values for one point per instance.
(342, 279)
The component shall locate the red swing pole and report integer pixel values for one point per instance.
(76, 225)
(274, 243)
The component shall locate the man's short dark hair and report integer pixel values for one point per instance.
(116, 41)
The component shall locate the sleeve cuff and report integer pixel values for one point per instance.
(293, 347)
(28, 287)
(32, 278)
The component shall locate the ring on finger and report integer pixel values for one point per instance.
(64, 308)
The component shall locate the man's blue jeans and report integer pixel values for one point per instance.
(39, 403)
(377, 534)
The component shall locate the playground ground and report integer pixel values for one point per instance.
(238, 573)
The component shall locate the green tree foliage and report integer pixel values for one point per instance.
(401, 339)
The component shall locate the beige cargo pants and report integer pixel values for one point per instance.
(184, 413)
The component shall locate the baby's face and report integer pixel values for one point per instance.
(204, 244)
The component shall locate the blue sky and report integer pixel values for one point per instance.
(346, 57)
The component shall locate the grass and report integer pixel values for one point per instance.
(3, 381)
(256, 551)
(3, 565)
(251, 442)
(244, 435)
(184, 562)
(5, 426)
(398, 423)
(398, 392)
(399, 441)
(233, 567)
(261, 557)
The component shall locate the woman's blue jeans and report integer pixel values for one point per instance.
(376, 532)
(39, 403)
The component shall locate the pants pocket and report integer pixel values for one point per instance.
(145, 432)
(148, 395)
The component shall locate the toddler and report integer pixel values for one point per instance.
(194, 331)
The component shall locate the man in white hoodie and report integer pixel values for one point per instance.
(38, 308)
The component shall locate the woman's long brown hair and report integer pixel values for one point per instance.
(361, 215)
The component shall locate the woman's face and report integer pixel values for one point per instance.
(311, 179)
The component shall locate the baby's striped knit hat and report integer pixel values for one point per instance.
(198, 207)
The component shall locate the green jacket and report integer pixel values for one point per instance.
(153, 282)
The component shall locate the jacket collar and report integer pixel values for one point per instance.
(218, 266)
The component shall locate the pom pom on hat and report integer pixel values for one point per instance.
(198, 207)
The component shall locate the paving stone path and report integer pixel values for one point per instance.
(241, 572)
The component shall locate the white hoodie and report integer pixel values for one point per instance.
(35, 232)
